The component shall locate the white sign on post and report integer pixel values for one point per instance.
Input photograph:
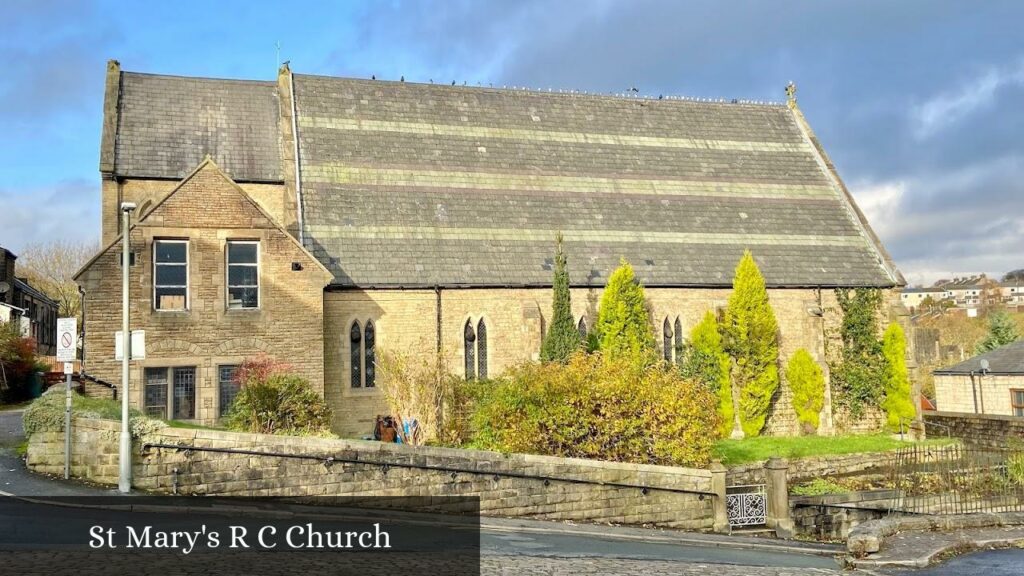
(138, 345)
(67, 339)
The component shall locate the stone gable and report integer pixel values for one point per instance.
(208, 210)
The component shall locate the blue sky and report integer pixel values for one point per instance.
(919, 103)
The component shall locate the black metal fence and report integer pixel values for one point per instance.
(957, 480)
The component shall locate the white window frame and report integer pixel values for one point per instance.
(227, 275)
(188, 266)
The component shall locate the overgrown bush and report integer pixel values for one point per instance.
(18, 364)
(898, 405)
(425, 390)
(807, 382)
(272, 400)
(750, 333)
(46, 414)
(705, 361)
(623, 323)
(858, 374)
(602, 409)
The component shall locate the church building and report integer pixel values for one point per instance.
(324, 221)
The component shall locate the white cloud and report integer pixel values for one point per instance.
(949, 107)
(67, 210)
(880, 203)
(956, 222)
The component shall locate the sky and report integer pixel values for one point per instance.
(920, 103)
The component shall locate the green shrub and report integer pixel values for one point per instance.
(593, 408)
(1002, 330)
(818, 487)
(898, 405)
(272, 401)
(623, 323)
(705, 361)
(807, 382)
(562, 338)
(751, 340)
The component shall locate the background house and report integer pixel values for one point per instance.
(990, 383)
(34, 311)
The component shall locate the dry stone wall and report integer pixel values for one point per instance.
(508, 485)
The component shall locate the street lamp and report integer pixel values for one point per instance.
(124, 483)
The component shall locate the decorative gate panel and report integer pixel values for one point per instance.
(746, 505)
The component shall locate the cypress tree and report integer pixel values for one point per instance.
(706, 362)
(897, 404)
(751, 340)
(623, 323)
(1001, 331)
(562, 338)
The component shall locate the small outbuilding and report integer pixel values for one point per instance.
(990, 383)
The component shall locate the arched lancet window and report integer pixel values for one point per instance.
(469, 343)
(369, 354)
(680, 343)
(481, 349)
(666, 343)
(582, 328)
(356, 353)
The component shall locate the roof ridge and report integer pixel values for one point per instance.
(626, 95)
(202, 78)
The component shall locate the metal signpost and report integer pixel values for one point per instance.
(67, 351)
(124, 483)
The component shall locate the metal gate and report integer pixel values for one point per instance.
(746, 505)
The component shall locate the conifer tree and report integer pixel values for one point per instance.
(562, 338)
(1001, 331)
(898, 405)
(751, 340)
(623, 324)
(706, 362)
(807, 382)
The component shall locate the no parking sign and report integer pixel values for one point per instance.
(67, 339)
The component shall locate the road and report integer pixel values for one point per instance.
(516, 546)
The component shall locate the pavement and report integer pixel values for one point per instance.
(928, 549)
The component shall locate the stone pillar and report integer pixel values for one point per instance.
(777, 515)
(718, 471)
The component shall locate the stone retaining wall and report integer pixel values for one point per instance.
(806, 469)
(975, 429)
(573, 490)
(833, 516)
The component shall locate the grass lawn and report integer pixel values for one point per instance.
(733, 452)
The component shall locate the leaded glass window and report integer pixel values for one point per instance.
(155, 395)
(355, 337)
(481, 349)
(666, 344)
(184, 393)
(369, 335)
(680, 343)
(581, 327)
(469, 344)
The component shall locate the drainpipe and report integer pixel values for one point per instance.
(974, 392)
(437, 297)
(81, 306)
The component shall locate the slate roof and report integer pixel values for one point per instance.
(168, 124)
(417, 185)
(1008, 359)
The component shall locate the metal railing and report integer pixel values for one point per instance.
(957, 480)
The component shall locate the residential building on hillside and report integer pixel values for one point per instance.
(34, 311)
(326, 220)
(990, 383)
(912, 298)
(1012, 291)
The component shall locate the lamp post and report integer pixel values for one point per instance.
(124, 483)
